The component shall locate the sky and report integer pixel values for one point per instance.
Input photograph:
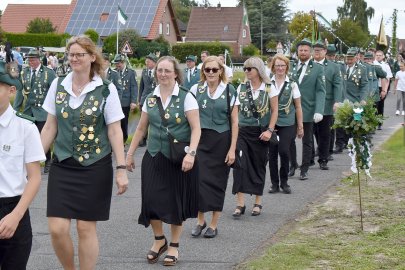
(326, 7)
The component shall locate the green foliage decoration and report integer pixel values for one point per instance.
(35, 40)
(181, 50)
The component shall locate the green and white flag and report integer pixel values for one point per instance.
(122, 18)
(245, 16)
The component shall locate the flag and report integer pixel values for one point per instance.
(245, 16)
(122, 18)
(315, 29)
(381, 37)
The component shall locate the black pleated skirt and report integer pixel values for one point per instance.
(250, 178)
(168, 193)
(213, 171)
(80, 192)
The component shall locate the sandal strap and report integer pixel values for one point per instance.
(240, 208)
(257, 205)
(176, 245)
(170, 257)
(152, 253)
(161, 237)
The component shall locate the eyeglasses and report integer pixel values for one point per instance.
(214, 70)
(77, 55)
(280, 66)
(248, 69)
(165, 71)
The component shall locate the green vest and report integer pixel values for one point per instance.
(176, 121)
(286, 106)
(82, 132)
(214, 112)
(262, 104)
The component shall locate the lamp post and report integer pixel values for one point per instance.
(261, 28)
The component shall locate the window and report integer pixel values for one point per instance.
(226, 28)
(244, 33)
(104, 17)
(167, 29)
(160, 28)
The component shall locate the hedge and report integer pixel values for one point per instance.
(182, 50)
(36, 40)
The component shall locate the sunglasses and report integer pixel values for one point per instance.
(248, 69)
(208, 70)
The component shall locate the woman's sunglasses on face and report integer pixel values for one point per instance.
(208, 70)
(248, 69)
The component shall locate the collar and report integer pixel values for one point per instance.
(287, 79)
(261, 88)
(67, 84)
(221, 85)
(5, 118)
(175, 92)
(322, 62)
(306, 62)
(37, 69)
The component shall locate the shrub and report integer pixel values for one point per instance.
(181, 50)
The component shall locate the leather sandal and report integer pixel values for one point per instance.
(256, 213)
(156, 255)
(240, 210)
(173, 259)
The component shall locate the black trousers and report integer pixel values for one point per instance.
(307, 142)
(341, 138)
(322, 136)
(332, 138)
(40, 125)
(380, 104)
(14, 252)
(124, 123)
(286, 137)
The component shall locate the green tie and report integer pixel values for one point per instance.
(33, 79)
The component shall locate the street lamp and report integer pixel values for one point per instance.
(261, 28)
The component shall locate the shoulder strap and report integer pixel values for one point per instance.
(26, 117)
(252, 106)
(282, 90)
(161, 111)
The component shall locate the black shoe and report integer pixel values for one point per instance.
(330, 158)
(210, 232)
(256, 213)
(196, 231)
(304, 176)
(291, 172)
(338, 149)
(286, 189)
(379, 127)
(323, 165)
(155, 255)
(312, 163)
(240, 210)
(274, 190)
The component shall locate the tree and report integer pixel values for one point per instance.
(92, 34)
(300, 22)
(182, 9)
(1, 30)
(357, 11)
(40, 25)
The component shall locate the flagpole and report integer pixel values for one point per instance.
(118, 26)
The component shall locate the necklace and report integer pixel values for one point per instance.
(81, 88)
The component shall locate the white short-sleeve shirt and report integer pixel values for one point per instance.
(112, 111)
(256, 92)
(400, 76)
(190, 103)
(20, 144)
(295, 90)
(218, 93)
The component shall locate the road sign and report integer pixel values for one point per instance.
(127, 48)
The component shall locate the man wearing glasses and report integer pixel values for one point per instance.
(36, 80)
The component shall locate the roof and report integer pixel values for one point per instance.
(214, 23)
(17, 16)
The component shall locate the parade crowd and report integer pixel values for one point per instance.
(195, 126)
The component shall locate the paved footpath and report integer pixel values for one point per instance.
(124, 243)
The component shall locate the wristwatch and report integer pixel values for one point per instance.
(190, 151)
(271, 130)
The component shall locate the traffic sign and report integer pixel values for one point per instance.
(127, 48)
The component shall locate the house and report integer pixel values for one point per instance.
(150, 18)
(224, 24)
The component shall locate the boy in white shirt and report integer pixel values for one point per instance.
(399, 86)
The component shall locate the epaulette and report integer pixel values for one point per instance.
(26, 117)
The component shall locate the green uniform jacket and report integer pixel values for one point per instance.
(29, 100)
(113, 77)
(146, 86)
(129, 87)
(357, 84)
(312, 88)
(194, 78)
(333, 86)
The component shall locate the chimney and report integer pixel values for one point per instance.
(219, 6)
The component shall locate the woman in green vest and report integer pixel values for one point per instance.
(289, 122)
(84, 114)
(169, 190)
(257, 119)
(216, 151)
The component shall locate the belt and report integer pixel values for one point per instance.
(9, 200)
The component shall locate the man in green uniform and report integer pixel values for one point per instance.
(36, 80)
(333, 88)
(129, 96)
(191, 73)
(311, 83)
(112, 75)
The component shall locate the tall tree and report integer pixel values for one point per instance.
(182, 8)
(40, 25)
(357, 11)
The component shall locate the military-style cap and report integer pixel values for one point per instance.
(9, 74)
(152, 57)
(351, 52)
(319, 44)
(106, 56)
(33, 53)
(191, 58)
(368, 55)
(118, 58)
(331, 49)
(305, 41)
(361, 51)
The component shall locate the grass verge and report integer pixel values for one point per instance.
(329, 235)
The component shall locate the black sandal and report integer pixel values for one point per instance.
(156, 255)
(240, 212)
(256, 213)
(173, 259)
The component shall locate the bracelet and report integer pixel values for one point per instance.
(121, 167)
(270, 129)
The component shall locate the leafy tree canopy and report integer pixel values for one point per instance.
(357, 11)
(182, 9)
(40, 26)
(92, 34)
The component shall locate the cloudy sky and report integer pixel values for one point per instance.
(326, 7)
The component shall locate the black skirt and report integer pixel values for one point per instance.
(168, 193)
(251, 176)
(213, 171)
(80, 192)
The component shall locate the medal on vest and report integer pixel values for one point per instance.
(64, 114)
(204, 105)
(167, 116)
(151, 102)
(60, 97)
(88, 111)
(98, 150)
(81, 159)
(91, 136)
(82, 137)
(178, 120)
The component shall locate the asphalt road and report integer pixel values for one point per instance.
(124, 243)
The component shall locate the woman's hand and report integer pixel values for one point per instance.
(300, 132)
(122, 181)
(8, 225)
(230, 157)
(188, 162)
(265, 136)
(130, 163)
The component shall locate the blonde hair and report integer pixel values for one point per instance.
(258, 64)
(176, 66)
(213, 58)
(86, 43)
(281, 58)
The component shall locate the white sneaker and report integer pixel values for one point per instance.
(403, 113)
(397, 112)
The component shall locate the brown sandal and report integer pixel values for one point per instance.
(173, 259)
(156, 255)
(256, 213)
